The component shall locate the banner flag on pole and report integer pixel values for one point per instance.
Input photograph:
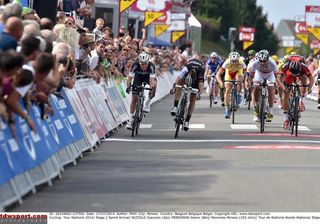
(161, 28)
(315, 32)
(247, 44)
(316, 51)
(289, 49)
(303, 37)
(175, 35)
(150, 17)
(124, 4)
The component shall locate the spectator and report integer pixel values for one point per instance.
(46, 23)
(99, 26)
(61, 16)
(11, 34)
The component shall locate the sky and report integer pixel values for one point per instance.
(284, 9)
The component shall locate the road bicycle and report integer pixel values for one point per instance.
(264, 103)
(294, 112)
(233, 97)
(139, 113)
(182, 109)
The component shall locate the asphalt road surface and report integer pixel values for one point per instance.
(215, 166)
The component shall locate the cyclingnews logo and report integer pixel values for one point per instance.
(23, 218)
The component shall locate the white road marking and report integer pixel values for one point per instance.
(197, 126)
(303, 128)
(146, 126)
(244, 126)
(208, 140)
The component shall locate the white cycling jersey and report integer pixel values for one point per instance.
(263, 71)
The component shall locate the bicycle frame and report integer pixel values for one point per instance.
(139, 114)
(234, 94)
(293, 112)
(180, 116)
(264, 103)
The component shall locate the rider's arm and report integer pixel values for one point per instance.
(280, 83)
(218, 76)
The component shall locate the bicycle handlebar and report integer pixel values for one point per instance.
(188, 88)
(295, 84)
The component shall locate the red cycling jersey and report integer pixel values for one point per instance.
(288, 77)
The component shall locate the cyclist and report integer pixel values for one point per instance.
(263, 68)
(251, 55)
(196, 69)
(212, 67)
(294, 68)
(141, 71)
(234, 69)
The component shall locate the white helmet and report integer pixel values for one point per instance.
(263, 55)
(213, 54)
(144, 57)
(234, 56)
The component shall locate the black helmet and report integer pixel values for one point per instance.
(295, 68)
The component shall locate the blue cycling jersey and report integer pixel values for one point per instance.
(214, 65)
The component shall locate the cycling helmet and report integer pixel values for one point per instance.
(263, 55)
(295, 67)
(251, 53)
(234, 56)
(213, 54)
(144, 57)
(275, 58)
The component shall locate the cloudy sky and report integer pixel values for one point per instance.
(284, 9)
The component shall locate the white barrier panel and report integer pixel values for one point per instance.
(97, 110)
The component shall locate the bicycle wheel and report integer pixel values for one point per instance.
(291, 115)
(262, 115)
(296, 115)
(140, 115)
(233, 103)
(210, 101)
(134, 125)
(249, 98)
(179, 118)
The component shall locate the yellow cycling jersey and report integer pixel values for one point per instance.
(233, 69)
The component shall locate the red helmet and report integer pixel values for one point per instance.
(295, 68)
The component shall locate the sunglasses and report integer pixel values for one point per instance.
(263, 61)
(144, 64)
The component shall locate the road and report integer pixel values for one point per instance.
(212, 167)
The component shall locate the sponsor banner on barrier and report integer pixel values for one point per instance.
(117, 102)
(97, 95)
(112, 112)
(89, 105)
(83, 116)
(69, 118)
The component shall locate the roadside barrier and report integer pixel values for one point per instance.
(82, 117)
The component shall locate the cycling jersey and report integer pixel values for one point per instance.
(214, 65)
(288, 77)
(140, 76)
(199, 68)
(232, 70)
(263, 70)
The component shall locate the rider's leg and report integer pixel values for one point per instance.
(177, 95)
(285, 103)
(239, 97)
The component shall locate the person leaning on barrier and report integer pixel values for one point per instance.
(141, 71)
(195, 68)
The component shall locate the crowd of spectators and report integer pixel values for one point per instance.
(39, 57)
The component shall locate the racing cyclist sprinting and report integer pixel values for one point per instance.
(263, 68)
(234, 68)
(212, 66)
(196, 69)
(141, 71)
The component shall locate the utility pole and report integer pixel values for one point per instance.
(232, 37)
